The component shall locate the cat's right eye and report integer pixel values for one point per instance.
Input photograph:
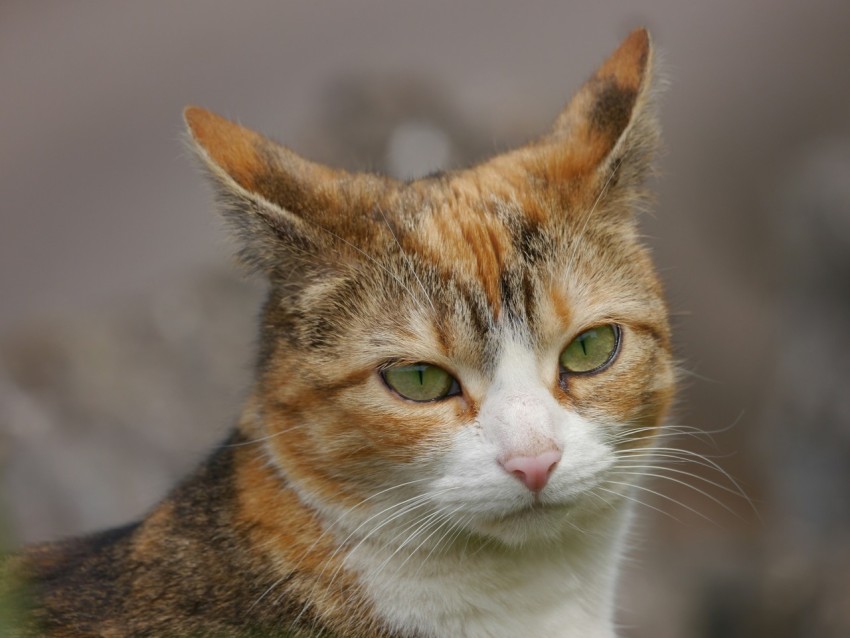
(421, 382)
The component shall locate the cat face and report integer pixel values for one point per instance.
(468, 353)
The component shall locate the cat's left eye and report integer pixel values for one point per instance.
(421, 382)
(592, 350)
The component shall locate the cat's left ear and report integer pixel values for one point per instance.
(609, 129)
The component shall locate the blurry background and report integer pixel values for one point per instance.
(126, 335)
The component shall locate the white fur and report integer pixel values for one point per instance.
(481, 555)
(552, 589)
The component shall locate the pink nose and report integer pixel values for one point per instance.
(533, 471)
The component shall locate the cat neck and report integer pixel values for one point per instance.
(473, 587)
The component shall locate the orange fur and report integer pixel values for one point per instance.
(229, 145)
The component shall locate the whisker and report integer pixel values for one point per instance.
(327, 530)
(458, 527)
(634, 499)
(663, 496)
(411, 504)
(422, 525)
(680, 455)
(416, 503)
(350, 511)
(693, 475)
(680, 482)
(662, 432)
(262, 438)
(443, 519)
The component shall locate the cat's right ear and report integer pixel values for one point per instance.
(608, 133)
(268, 194)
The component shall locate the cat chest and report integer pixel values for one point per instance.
(470, 598)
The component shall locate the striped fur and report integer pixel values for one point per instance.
(339, 508)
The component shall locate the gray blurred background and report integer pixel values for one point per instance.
(126, 335)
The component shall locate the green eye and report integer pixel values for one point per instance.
(421, 382)
(592, 349)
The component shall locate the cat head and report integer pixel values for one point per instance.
(483, 343)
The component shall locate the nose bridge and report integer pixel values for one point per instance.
(526, 425)
(519, 414)
(525, 407)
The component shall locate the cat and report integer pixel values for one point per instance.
(453, 375)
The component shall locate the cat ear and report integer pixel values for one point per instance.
(269, 194)
(609, 127)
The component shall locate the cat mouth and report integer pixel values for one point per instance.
(524, 523)
(533, 510)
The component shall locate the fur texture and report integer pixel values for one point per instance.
(338, 507)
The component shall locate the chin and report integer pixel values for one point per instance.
(534, 524)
